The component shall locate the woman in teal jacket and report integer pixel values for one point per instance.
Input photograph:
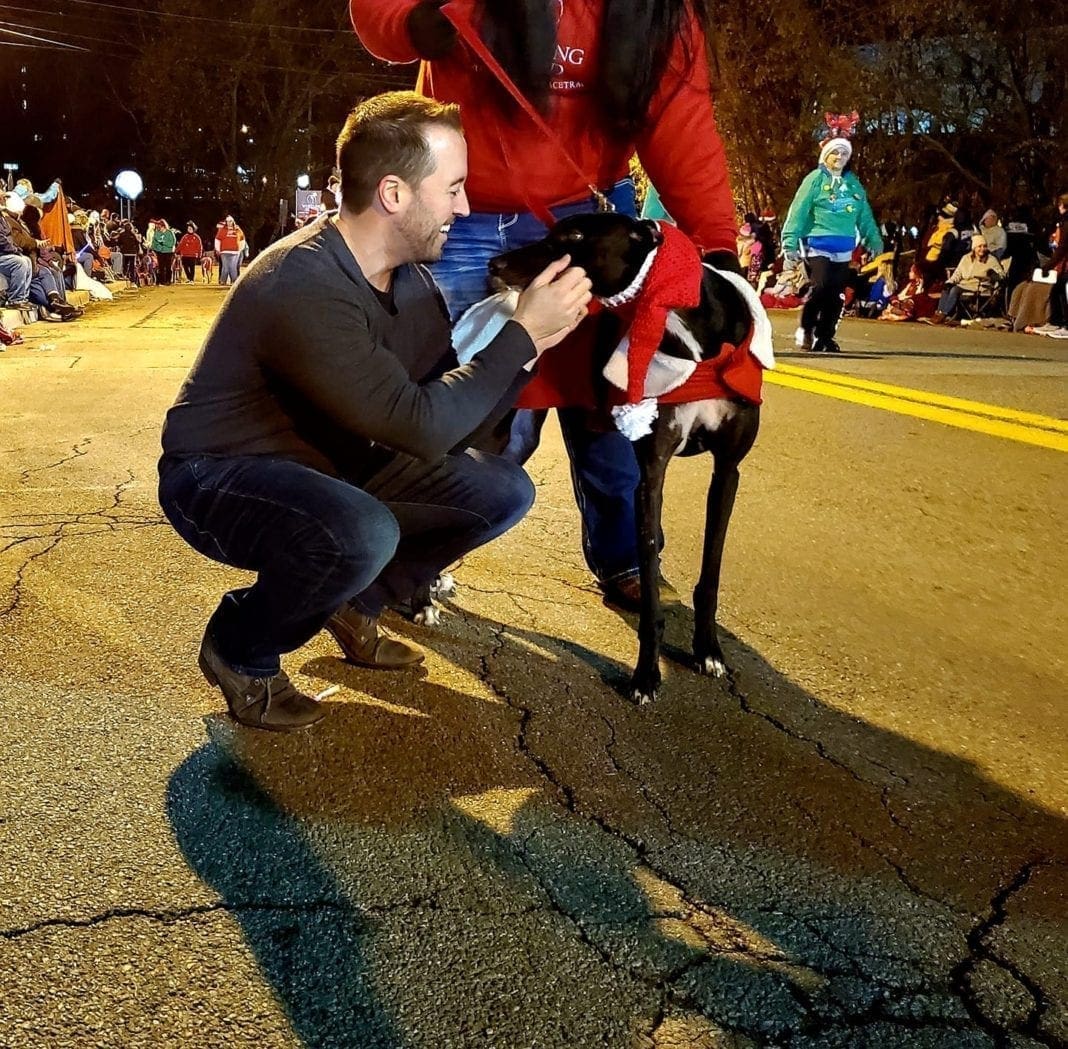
(163, 244)
(829, 211)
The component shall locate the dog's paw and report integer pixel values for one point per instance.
(444, 585)
(644, 686)
(712, 666)
(428, 615)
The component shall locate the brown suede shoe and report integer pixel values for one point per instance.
(270, 703)
(626, 593)
(359, 639)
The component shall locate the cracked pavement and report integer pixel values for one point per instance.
(857, 839)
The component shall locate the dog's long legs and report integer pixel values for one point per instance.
(721, 493)
(654, 453)
(732, 446)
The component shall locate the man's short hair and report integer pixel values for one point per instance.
(386, 136)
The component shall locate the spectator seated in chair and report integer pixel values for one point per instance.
(977, 274)
(15, 266)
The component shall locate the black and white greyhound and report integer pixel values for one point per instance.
(615, 251)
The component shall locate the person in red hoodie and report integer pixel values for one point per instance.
(190, 248)
(610, 78)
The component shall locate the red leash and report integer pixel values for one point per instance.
(470, 37)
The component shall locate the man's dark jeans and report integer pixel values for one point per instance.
(317, 542)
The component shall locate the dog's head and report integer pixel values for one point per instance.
(610, 247)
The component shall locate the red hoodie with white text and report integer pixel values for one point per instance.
(514, 165)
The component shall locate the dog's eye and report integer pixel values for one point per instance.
(576, 235)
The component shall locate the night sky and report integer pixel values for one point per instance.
(72, 110)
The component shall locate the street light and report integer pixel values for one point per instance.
(303, 181)
(129, 187)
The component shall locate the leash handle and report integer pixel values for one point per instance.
(470, 37)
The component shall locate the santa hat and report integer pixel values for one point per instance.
(670, 279)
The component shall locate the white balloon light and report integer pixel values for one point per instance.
(128, 184)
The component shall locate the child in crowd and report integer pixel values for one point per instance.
(147, 268)
(788, 290)
(912, 302)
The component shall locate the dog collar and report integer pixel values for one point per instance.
(633, 289)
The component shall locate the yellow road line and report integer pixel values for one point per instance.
(994, 411)
(963, 420)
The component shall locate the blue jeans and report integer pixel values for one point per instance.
(19, 272)
(604, 470)
(46, 281)
(950, 297)
(317, 542)
(229, 266)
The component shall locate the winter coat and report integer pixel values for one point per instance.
(190, 246)
(163, 241)
(971, 274)
(827, 212)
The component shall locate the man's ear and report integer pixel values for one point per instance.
(393, 193)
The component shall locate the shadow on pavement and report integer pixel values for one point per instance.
(538, 862)
(307, 939)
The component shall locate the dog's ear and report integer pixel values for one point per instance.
(647, 231)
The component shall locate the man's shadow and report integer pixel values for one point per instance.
(429, 843)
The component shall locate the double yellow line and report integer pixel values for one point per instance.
(1026, 427)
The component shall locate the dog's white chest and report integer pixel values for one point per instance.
(707, 415)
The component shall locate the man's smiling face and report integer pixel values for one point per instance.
(439, 199)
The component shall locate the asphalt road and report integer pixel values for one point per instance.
(859, 839)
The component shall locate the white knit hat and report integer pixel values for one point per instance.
(836, 143)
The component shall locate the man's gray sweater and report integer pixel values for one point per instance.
(305, 362)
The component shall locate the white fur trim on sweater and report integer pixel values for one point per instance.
(636, 420)
(760, 347)
(632, 290)
(665, 373)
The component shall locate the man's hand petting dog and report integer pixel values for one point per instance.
(554, 303)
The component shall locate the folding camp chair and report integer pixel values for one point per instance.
(988, 301)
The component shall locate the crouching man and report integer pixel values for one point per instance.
(318, 440)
